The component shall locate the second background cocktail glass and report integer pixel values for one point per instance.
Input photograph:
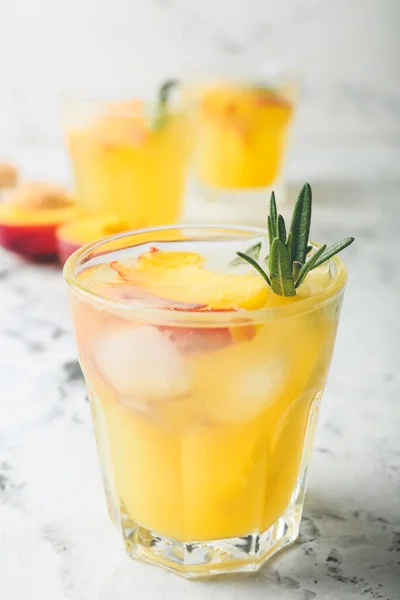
(241, 126)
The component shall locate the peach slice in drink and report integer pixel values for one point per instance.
(181, 276)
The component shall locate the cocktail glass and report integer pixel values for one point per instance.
(128, 161)
(204, 419)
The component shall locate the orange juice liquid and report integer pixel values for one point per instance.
(203, 432)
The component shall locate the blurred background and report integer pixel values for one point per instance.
(348, 122)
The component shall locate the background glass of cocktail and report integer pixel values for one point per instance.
(129, 157)
(241, 138)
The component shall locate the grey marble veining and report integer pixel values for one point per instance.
(56, 542)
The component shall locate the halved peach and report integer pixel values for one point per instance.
(29, 218)
(78, 232)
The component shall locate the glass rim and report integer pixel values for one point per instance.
(270, 71)
(70, 102)
(197, 318)
(75, 109)
(289, 82)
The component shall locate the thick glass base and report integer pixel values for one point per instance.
(194, 559)
(245, 553)
(233, 207)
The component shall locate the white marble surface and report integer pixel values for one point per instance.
(56, 542)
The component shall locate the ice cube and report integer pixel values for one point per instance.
(249, 391)
(260, 381)
(142, 365)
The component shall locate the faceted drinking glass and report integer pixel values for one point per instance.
(204, 421)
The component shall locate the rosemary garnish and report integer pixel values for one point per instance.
(287, 260)
(252, 252)
(160, 116)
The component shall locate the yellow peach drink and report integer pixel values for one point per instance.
(241, 135)
(127, 164)
(204, 387)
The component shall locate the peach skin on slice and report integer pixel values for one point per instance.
(181, 277)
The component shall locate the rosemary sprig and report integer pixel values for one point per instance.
(310, 264)
(255, 264)
(160, 116)
(273, 213)
(332, 250)
(252, 252)
(280, 269)
(287, 259)
(300, 226)
(281, 229)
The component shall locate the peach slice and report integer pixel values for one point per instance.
(107, 281)
(180, 276)
(131, 292)
(30, 216)
(76, 233)
(158, 259)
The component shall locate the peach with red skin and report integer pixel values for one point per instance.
(29, 218)
(74, 234)
(35, 242)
